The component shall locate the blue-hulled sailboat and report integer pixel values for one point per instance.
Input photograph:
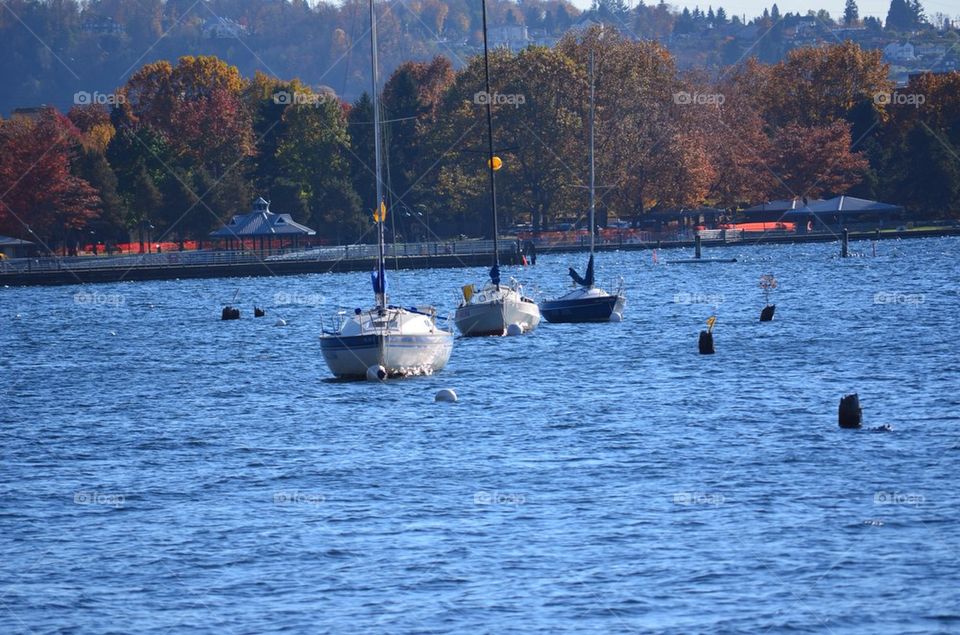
(587, 302)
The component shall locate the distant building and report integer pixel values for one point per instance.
(103, 26)
(809, 214)
(540, 37)
(807, 28)
(848, 31)
(223, 29)
(897, 52)
(512, 37)
(749, 33)
(584, 25)
(930, 50)
(16, 248)
(31, 112)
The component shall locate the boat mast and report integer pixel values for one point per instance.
(380, 290)
(593, 198)
(495, 271)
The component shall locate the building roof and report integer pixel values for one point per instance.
(262, 222)
(783, 205)
(7, 241)
(835, 205)
(849, 204)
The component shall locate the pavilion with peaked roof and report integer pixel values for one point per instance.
(16, 247)
(838, 211)
(844, 211)
(271, 229)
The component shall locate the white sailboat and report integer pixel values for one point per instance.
(495, 308)
(386, 340)
(587, 302)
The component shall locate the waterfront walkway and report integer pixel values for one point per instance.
(441, 254)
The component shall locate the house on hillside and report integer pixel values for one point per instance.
(899, 52)
(930, 50)
(223, 29)
(513, 37)
(102, 26)
(584, 25)
(30, 112)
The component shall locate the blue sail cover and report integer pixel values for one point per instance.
(495, 274)
(379, 280)
(587, 280)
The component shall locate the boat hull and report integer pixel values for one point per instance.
(493, 318)
(590, 309)
(401, 355)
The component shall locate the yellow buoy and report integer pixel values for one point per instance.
(497, 163)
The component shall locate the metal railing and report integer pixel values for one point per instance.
(200, 258)
(219, 258)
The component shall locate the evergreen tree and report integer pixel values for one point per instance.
(684, 23)
(360, 127)
(95, 169)
(286, 197)
(916, 13)
(179, 204)
(145, 204)
(926, 173)
(851, 14)
(900, 17)
(401, 105)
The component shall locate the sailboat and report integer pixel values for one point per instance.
(587, 302)
(386, 340)
(496, 309)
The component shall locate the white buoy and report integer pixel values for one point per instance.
(280, 322)
(16, 317)
(446, 394)
(514, 329)
(376, 373)
(616, 317)
(114, 333)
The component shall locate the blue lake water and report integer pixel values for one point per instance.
(163, 471)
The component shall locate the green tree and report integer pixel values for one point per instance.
(94, 168)
(926, 173)
(145, 203)
(361, 158)
(313, 153)
(851, 14)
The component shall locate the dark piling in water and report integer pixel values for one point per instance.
(696, 247)
(706, 343)
(766, 315)
(258, 312)
(845, 244)
(230, 313)
(851, 416)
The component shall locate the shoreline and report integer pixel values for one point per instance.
(441, 261)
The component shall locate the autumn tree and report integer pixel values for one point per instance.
(812, 161)
(641, 150)
(814, 86)
(41, 194)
